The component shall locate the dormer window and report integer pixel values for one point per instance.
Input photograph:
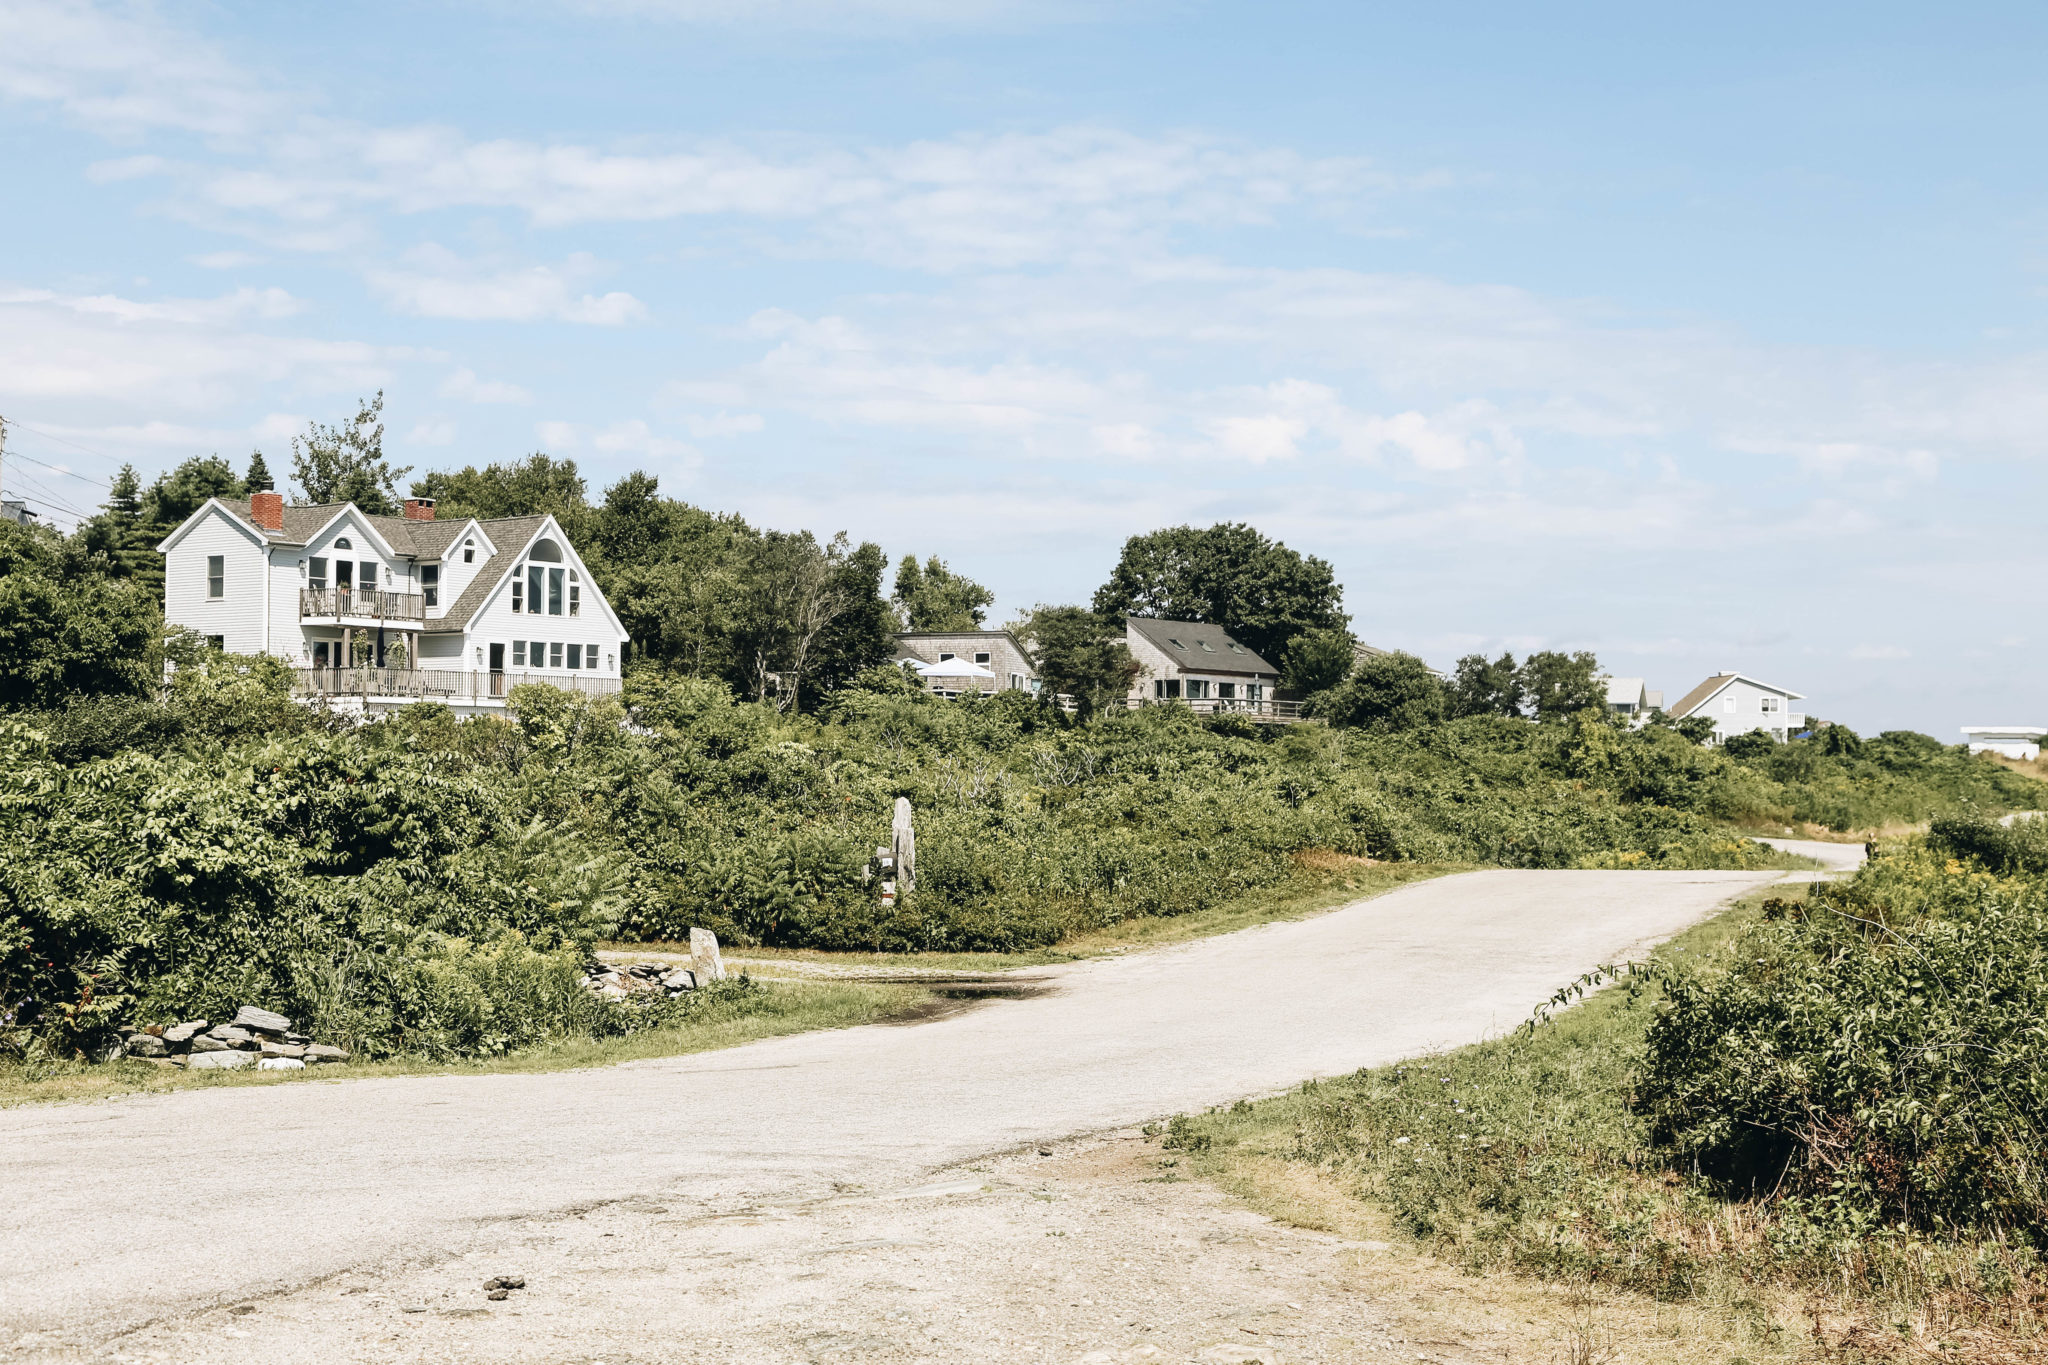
(1208, 648)
(1175, 643)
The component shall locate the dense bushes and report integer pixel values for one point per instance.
(1877, 1050)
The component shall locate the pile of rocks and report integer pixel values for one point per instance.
(254, 1037)
(647, 981)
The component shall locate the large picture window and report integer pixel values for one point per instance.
(535, 576)
(216, 576)
(554, 592)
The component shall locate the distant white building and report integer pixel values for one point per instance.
(1739, 704)
(956, 661)
(1629, 697)
(2013, 741)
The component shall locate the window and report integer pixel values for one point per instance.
(554, 592)
(430, 584)
(575, 595)
(1166, 687)
(535, 575)
(1227, 691)
(1254, 691)
(344, 544)
(366, 579)
(536, 654)
(216, 575)
(575, 656)
(608, 661)
(1728, 704)
(1235, 648)
(981, 656)
(518, 593)
(555, 654)
(519, 653)
(1208, 648)
(1767, 703)
(480, 654)
(321, 651)
(344, 575)
(469, 552)
(944, 657)
(316, 575)
(546, 551)
(219, 642)
(1175, 643)
(1198, 689)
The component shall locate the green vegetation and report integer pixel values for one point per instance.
(427, 887)
(1841, 1092)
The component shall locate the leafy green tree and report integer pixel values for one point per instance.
(1319, 660)
(258, 479)
(1387, 693)
(861, 636)
(66, 633)
(346, 463)
(1228, 575)
(1559, 685)
(181, 492)
(539, 484)
(933, 597)
(1755, 744)
(1080, 655)
(1487, 687)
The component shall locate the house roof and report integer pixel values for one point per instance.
(1624, 691)
(510, 536)
(427, 540)
(1708, 690)
(907, 635)
(1196, 646)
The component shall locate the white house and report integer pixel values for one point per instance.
(2014, 741)
(1739, 704)
(1631, 697)
(387, 610)
(1202, 667)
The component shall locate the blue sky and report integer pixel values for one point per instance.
(1701, 340)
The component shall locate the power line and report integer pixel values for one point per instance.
(59, 469)
(96, 454)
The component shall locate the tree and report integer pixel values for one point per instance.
(864, 634)
(1560, 685)
(1080, 655)
(936, 598)
(790, 592)
(184, 490)
(1318, 660)
(66, 632)
(539, 484)
(258, 479)
(1388, 692)
(1228, 575)
(118, 535)
(1482, 687)
(346, 463)
(1755, 744)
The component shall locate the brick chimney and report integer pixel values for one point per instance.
(419, 509)
(266, 509)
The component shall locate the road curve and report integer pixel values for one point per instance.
(118, 1213)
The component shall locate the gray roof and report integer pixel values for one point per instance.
(510, 535)
(427, 540)
(1193, 645)
(1691, 701)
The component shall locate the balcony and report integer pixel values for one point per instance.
(433, 684)
(1264, 710)
(341, 606)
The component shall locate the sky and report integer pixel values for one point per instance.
(1708, 339)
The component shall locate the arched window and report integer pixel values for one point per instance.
(344, 543)
(469, 552)
(547, 552)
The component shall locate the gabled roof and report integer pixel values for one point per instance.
(1624, 691)
(1712, 687)
(506, 539)
(1194, 645)
(1015, 643)
(420, 540)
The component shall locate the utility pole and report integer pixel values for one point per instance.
(3, 456)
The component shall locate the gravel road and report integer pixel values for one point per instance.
(152, 1209)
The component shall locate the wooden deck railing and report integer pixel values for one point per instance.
(1265, 708)
(368, 606)
(434, 684)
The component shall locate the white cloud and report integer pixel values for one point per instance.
(1875, 652)
(437, 284)
(435, 431)
(463, 385)
(123, 71)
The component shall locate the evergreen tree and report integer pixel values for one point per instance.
(258, 479)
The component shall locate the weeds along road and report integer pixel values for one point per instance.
(120, 1213)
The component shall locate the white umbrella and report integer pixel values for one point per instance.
(954, 668)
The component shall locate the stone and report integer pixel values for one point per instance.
(232, 1036)
(705, 963)
(506, 1282)
(271, 1049)
(324, 1052)
(184, 1033)
(261, 1021)
(299, 1038)
(497, 1295)
(279, 1064)
(206, 1042)
(681, 979)
(147, 1045)
(226, 1060)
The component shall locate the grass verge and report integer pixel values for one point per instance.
(1521, 1157)
(771, 1012)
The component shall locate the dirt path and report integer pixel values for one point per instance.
(152, 1212)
